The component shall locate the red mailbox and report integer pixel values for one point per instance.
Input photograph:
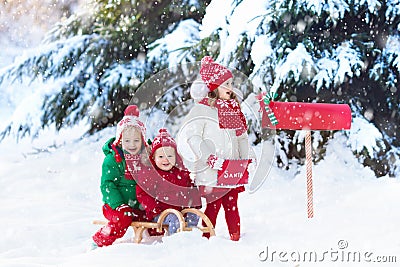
(308, 116)
(305, 116)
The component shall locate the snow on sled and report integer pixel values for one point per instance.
(140, 227)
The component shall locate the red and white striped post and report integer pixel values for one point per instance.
(310, 208)
(306, 116)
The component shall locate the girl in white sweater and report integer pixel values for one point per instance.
(214, 132)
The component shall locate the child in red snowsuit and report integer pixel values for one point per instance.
(169, 186)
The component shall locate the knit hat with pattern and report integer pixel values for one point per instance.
(213, 74)
(131, 118)
(163, 139)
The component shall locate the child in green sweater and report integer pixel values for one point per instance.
(125, 155)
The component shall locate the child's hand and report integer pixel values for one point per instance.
(127, 210)
(252, 165)
(214, 162)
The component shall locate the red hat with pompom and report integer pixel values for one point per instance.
(131, 118)
(163, 139)
(213, 74)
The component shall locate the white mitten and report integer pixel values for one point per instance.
(214, 162)
(252, 165)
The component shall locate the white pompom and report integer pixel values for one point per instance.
(198, 90)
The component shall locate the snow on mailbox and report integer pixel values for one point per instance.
(304, 116)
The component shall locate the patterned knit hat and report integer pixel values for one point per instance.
(163, 139)
(213, 74)
(131, 118)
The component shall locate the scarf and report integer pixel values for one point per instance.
(133, 166)
(230, 115)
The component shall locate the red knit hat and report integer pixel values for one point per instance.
(213, 74)
(131, 118)
(163, 139)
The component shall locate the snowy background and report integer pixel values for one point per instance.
(49, 189)
(50, 194)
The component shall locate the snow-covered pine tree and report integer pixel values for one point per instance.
(93, 62)
(339, 52)
(334, 51)
(329, 51)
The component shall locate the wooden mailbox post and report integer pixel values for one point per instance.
(306, 116)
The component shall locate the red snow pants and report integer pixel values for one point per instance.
(232, 218)
(118, 223)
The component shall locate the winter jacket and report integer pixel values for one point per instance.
(115, 187)
(159, 190)
(200, 136)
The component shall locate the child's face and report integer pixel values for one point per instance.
(132, 140)
(225, 90)
(165, 158)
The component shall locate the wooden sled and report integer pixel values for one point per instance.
(139, 227)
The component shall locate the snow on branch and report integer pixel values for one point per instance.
(173, 45)
(49, 61)
(392, 50)
(393, 11)
(349, 60)
(333, 69)
(384, 69)
(365, 136)
(124, 74)
(298, 65)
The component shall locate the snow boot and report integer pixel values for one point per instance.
(235, 236)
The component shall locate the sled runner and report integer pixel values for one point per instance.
(139, 227)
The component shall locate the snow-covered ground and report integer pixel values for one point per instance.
(50, 194)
